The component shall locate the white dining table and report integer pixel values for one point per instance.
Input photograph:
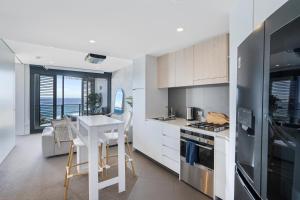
(90, 130)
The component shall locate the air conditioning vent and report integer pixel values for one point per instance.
(94, 58)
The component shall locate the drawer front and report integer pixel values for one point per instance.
(171, 153)
(171, 142)
(171, 131)
(170, 163)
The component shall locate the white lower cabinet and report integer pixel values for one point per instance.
(153, 140)
(220, 166)
(162, 143)
(138, 119)
(170, 145)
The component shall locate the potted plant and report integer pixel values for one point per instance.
(95, 103)
(129, 101)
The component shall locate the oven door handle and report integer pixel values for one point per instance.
(199, 145)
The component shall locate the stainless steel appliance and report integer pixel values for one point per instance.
(249, 115)
(201, 174)
(209, 126)
(268, 109)
(190, 113)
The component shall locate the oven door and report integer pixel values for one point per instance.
(205, 155)
(201, 174)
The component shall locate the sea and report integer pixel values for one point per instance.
(72, 106)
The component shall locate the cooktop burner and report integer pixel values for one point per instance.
(209, 126)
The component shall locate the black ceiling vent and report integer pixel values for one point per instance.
(94, 58)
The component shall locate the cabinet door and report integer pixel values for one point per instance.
(138, 119)
(153, 139)
(201, 60)
(220, 163)
(166, 71)
(139, 73)
(184, 67)
(211, 61)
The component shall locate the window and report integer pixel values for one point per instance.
(56, 93)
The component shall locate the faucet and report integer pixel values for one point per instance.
(170, 111)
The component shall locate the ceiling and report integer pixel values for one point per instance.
(123, 29)
(55, 57)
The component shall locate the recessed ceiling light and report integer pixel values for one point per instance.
(92, 41)
(179, 29)
(277, 65)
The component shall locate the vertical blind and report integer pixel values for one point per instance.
(46, 99)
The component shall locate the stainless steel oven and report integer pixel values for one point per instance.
(201, 174)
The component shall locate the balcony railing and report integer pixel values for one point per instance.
(50, 112)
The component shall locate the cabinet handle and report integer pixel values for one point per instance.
(199, 145)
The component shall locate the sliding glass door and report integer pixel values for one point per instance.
(56, 93)
(72, 97)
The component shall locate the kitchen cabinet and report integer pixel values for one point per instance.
(138, 74)
(166, 71)
(170, 147)
(201, 64)
(148, 101)
(153, 139)
(220, 167)
(211, 61)
(162, 143)
(184, 67)
(138, 119)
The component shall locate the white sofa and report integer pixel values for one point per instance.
(49, 145)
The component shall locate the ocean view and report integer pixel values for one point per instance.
(72, 106)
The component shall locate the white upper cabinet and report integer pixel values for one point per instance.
(184, 67)
(211, 61)
(139, 74)
(166, 71)
(264, 8)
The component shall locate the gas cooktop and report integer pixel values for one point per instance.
(209, 126)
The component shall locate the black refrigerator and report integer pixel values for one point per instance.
(268, 109)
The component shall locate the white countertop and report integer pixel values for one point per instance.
(99, 120)
(182, 123)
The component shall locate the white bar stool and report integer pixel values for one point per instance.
(113, 136)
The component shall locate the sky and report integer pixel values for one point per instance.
(72, 87)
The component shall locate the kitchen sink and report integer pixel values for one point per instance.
(165, 118)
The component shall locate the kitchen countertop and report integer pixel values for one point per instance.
(181, 122)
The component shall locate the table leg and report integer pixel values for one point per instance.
(93, 163)
(82, 156)
(121, 159)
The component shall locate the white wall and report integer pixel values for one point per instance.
(22, 99)
(212, 98)
(7, 101)
(121, 79)
(244, 18)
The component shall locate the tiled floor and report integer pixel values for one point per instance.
(26, 175)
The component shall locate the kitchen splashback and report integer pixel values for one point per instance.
(209, 98)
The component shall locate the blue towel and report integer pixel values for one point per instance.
(191, 152)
